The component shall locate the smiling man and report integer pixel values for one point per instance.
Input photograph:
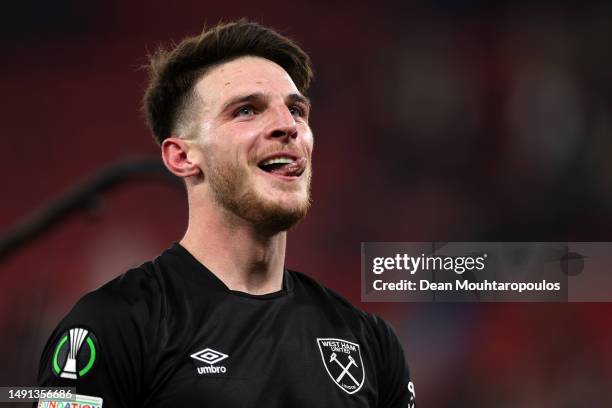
(216, 320)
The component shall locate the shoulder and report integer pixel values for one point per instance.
(134, 291)
(321, 294)
(127, 307)
(101, 345)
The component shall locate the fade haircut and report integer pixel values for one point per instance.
(173, 73)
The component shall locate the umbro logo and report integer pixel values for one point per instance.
(210, 356)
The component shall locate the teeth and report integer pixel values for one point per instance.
(278, 160)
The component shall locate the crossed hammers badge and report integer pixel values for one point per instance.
(342, 361)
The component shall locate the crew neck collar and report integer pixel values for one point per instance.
(197, 271)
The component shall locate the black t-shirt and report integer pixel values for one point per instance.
(170, 334)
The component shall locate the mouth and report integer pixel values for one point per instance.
(283, 165)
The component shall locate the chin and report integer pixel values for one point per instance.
(281, 215)
(279, 222)
(276, 211)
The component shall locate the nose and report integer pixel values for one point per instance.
(282, 125)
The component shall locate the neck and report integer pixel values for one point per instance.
(243, 258)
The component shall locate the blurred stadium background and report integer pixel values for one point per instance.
(434, 120)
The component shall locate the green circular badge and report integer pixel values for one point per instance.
(75, 353)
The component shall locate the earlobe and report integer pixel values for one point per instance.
(176, 158)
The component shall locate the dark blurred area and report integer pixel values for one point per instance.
(434, 121)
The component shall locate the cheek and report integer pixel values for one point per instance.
(239, 140)
(309, 140)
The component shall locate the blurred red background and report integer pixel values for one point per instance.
(435, 120)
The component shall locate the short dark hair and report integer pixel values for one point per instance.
(173, 73)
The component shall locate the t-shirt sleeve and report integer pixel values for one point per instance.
(98, 348)
(396, 388)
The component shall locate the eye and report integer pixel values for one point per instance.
(246, 110)
(296, 110)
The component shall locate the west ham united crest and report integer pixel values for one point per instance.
(342, 360)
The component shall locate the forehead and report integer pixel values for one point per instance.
(242, 76)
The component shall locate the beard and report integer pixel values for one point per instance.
(230, 185)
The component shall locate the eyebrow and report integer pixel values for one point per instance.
(258, 96)
(299, 98)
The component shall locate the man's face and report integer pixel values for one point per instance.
(255, 142)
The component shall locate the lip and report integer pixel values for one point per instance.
(300, 161)
(279, 176)
(277, 155)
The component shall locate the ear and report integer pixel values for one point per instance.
(176, 158)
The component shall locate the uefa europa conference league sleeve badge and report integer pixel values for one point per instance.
(74, 355)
